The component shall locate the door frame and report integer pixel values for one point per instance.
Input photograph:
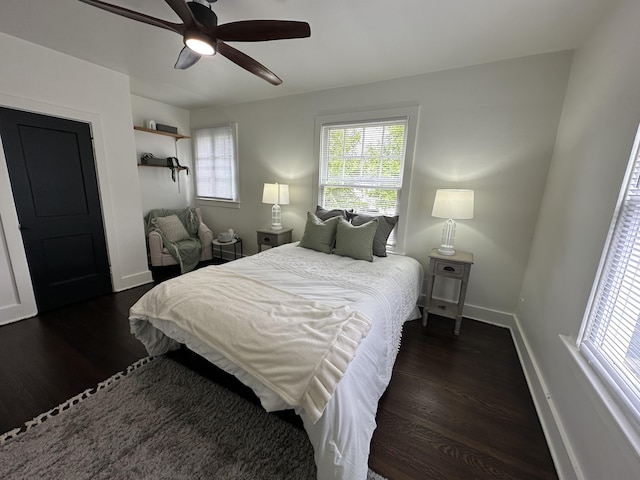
(24, 297)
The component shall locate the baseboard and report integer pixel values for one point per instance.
(131, 281)
(559, 445)
(493, 317)
(549, 419)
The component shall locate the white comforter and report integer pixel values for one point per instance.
(385, 291)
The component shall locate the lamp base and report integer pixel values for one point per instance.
(276, 217)
(446, 250)
(448, 234)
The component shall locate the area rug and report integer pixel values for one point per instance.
(158, 420)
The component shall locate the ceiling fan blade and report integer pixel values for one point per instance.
(182, 10)
(261, 30)
(140, 17)
(203, 14)
(186, 59)
(248, 63)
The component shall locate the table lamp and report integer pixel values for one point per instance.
(452, 204)
(276, 194)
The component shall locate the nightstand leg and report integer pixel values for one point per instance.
(428, 299)
(456, 329)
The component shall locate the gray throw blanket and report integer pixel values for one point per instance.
(186, 252)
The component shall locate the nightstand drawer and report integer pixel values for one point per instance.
(273, 238)
(267, 238)
(448, 269)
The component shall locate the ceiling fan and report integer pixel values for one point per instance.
(203, 36)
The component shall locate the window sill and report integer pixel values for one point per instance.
(211, 202)
(608, 406)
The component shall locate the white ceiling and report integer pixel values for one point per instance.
(352, 41)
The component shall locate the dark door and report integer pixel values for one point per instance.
(53, 178)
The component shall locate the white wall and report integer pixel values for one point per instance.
(45, 81)
(599, 120)
(490, 128)
(157, 189)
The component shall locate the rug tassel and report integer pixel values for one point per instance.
(12, 434)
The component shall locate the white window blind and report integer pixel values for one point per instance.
(362, 164)
(215, 162)
(611, 335)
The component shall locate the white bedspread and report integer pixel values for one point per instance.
(385, 291)
(296, 347)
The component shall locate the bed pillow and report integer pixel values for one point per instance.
(356, 241)
(324, 214)
(319, 235)
(172, 228)
(385, 226)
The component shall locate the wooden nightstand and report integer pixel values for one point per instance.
(456, 266)
(273, 238)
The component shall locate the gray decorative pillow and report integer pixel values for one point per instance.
(356, 241)
(172, 228)
(324, 214)
(385, 226)
(319, 235)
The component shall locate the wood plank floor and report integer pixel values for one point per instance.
(456, 408)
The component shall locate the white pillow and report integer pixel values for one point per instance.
(172, 228)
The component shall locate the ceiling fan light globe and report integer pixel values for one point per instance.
(199, 46)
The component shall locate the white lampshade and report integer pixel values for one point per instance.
(453, 203)
(275, 193)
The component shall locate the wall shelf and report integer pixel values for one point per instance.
(176, 136)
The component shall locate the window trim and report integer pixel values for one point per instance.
(411, 114)
(629, 421)
(214, 201)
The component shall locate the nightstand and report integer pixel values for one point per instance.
(273, 238)
(456, 266)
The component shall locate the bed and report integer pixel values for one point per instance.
(338, 405)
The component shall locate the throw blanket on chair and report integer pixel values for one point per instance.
(298, 348)
(187, 252)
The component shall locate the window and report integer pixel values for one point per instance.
(216, 163)
(365, 162)
(610, 338)
(361, 165)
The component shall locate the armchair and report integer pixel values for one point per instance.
(160, 256)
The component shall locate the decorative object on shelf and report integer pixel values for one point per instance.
(151, 125)
(174, 164)
(452, 204)
(276, 194)
(171, 162)
(166, 128)
(150, 159)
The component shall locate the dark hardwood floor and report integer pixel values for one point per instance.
(456, 408)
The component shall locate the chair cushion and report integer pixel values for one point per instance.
(172, 228)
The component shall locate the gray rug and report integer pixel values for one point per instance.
(158, 420)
